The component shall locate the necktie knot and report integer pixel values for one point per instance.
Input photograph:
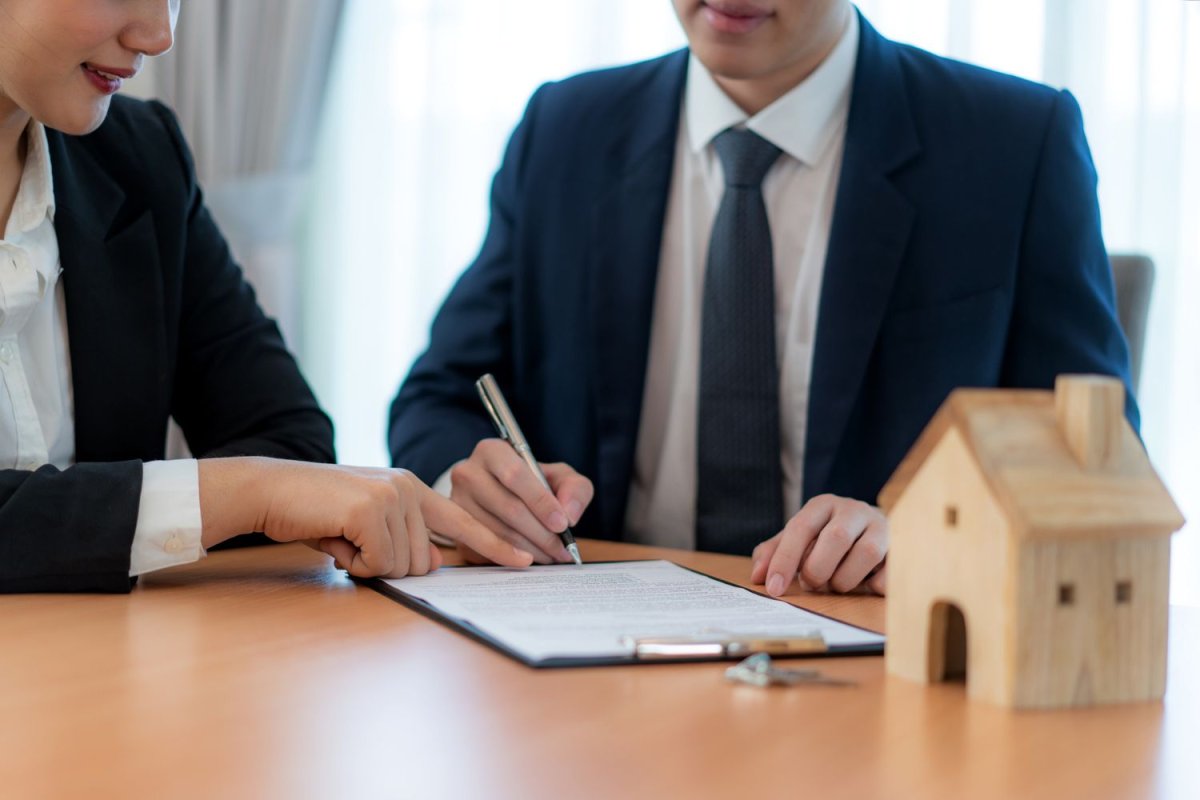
(745, 157)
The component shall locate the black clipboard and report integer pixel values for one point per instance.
(472, 632)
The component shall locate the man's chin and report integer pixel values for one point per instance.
(730, 63)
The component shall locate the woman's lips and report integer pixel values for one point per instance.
(733, 17)
(106, 82)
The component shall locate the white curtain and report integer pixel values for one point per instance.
(423, 96)
(247, 80)
(425, 93)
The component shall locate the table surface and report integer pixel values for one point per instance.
(265, 672)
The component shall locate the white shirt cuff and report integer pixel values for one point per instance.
(168, 525)
(442, 484)
(442, 487)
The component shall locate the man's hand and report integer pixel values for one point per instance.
(372, 521)
(832, 544)
(497, 488)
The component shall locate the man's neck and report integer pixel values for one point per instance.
(752, 95)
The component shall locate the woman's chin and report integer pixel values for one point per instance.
(79, 120)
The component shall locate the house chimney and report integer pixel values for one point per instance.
(1091, 413)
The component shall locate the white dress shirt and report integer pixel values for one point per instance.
(809, 125)
(37, 423)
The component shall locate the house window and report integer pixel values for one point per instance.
(1124, 591)
(1066, 594)
(951, 516)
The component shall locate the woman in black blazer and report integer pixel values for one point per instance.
(140, 316)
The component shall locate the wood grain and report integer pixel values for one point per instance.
(1090, 410)
(966, 564)
(1038, 516)
(1015, 440)
(1095, 648)
(265, 673)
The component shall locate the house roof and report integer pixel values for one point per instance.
(1014, 438)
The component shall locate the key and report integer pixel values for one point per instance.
(758, 670)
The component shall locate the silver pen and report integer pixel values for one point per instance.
(510, 431)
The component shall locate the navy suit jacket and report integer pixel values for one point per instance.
(965, 250)
(161, 324)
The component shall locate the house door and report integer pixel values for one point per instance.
(947, 643)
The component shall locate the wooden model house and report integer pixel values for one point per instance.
(1030, 549)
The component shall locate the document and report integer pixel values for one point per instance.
(564, 614)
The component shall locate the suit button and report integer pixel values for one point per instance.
(6, 353)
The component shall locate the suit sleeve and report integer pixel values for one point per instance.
(1064, 314)
(238, 391)
(68, 530)
(437, 418)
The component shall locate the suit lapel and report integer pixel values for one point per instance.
(627, 229)
(867, 240)
(113, 289)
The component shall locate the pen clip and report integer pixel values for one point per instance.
(484, 387)
(502, 416)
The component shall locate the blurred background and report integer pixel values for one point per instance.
(347, 148)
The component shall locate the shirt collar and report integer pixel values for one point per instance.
(802, 122)
(35, 197)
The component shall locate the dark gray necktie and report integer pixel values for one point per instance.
(739, 488)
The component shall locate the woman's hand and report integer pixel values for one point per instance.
(373, 521)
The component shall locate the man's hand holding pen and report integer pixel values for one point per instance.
(832, 544)
(496, 487)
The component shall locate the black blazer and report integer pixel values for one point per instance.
(161, 324)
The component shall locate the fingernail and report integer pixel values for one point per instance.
(775, 585)
(575, 509)
(754, 566)
(558, 522)
(520, 553)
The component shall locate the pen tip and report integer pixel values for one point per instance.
(573, 549)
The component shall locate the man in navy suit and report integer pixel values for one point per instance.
(927, 225)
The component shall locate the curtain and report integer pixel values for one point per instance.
(247, 80)
(422, 98)
(425, 93)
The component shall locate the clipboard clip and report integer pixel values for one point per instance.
(714, 646)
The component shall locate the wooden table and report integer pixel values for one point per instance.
(265, 673)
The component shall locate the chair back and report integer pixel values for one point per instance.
(1134, 279)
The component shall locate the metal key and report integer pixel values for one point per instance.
(758, 670)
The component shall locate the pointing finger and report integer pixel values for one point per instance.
(446, 518)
